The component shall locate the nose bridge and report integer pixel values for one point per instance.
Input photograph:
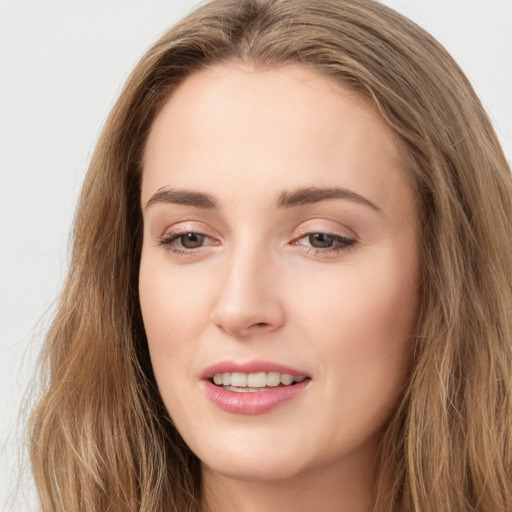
(248, 299)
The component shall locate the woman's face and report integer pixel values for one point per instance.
(280, 245)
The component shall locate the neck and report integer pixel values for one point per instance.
(336, 488)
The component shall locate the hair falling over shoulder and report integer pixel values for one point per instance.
(100, 436)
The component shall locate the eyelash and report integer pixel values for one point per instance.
(344, 244)
(167, 240)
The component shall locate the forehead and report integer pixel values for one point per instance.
(289, 126)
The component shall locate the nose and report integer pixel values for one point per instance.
(248, 302)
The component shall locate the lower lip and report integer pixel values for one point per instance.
(257, 402)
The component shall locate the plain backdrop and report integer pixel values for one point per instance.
(62, 65)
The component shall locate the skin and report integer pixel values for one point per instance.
(256, 288)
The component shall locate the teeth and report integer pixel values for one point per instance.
(257, 380)
(238, 379)
(286, 379)
(254, 381)
(244, 390)
(273, 379)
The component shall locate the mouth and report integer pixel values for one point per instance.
(252, 388)
(255, 382)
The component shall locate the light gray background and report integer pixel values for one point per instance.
(62, 64)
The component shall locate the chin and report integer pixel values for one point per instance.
(253, 469)
(242, 456)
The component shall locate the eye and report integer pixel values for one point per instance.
(321, 243)
(191, 240)
(321, 240)
(186, 242)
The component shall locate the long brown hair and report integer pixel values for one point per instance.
(100, 436)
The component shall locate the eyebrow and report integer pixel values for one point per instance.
(183, 197)
(300, 197)
(313, 195)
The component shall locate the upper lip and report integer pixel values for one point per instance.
(255, 366)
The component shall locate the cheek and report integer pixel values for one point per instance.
(363, 321)
(173, 313)
(169, 296)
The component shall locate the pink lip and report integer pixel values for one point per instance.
(250, 403)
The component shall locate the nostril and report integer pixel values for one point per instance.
(259, 325)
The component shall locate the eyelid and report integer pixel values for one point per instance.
(322, 226)
(182, 228)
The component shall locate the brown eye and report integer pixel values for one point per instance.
(321, 240)
(187, 243)
(324, 243)
(191, 240)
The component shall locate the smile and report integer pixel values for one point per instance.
(252, 388)
(254, 382)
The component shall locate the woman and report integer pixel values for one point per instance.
(291, 278)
